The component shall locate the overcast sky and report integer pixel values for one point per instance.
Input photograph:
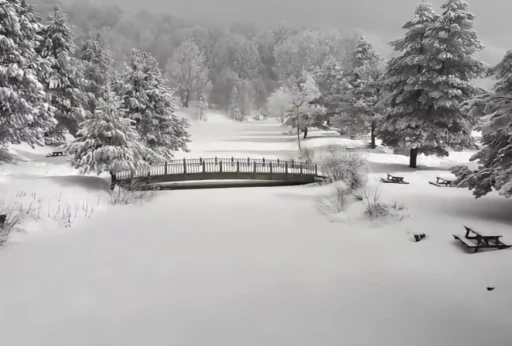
(380, 19)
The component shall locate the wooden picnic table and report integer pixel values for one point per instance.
(395, 179)
(443, 181)
(55, 153)
(482, 241)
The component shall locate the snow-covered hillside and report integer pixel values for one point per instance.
(255, 266)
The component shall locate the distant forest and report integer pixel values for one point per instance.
(254, 58)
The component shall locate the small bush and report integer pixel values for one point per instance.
(340, 165)
(307, 155)
(336, 202)
(397, 209)
(374, 208)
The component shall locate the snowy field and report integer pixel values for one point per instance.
(252, 266)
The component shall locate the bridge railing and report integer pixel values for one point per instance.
(223, 165)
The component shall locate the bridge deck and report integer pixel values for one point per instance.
(224, 169)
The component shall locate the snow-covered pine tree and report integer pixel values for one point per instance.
(362, 95)
(429, 81)
(107, 141)
(495, 157)
(64, 79)
(332, 86)
(97, 68)
(151, 104)
(25, 114)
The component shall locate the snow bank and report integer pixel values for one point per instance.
(259, 266)
(160, 274)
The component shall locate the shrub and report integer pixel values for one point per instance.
(340, 165)
(307, 155)
(376, 209)
(335, 202)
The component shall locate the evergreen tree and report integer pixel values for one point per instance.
(429, 81)
(97, 69)
(495, 158)
(107, 141)
(25, 114)
(332, 86)
(150, 103)
(65, 77)
(363, 92)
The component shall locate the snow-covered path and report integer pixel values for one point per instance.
(262, 266)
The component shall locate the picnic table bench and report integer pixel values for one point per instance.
(55, 153)
(482, 241)
(442, 182)
(393, 179)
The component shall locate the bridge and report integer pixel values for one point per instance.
(262, 172)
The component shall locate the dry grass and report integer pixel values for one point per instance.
(32, 206)
(375, 209)
(335, 202)
(134, 193)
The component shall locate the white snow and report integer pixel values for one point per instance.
(255, 266)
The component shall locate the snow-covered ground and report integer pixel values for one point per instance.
(253, 266)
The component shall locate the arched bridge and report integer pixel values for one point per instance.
(268, 172)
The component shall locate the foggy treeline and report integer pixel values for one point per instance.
(214, 57)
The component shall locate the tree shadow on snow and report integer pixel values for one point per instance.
(86, 182)
(490, 209)
(383, 167)
(9, 158)
(262, 139)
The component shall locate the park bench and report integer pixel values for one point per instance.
(476, 241)
(441, 182)
(55, 153)
(351, 149)
(394, 180)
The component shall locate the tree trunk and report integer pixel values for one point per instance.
(186, 99)
(298, 135)
(305, 132)
(413, 156)
(113, 180)
(373, 146)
